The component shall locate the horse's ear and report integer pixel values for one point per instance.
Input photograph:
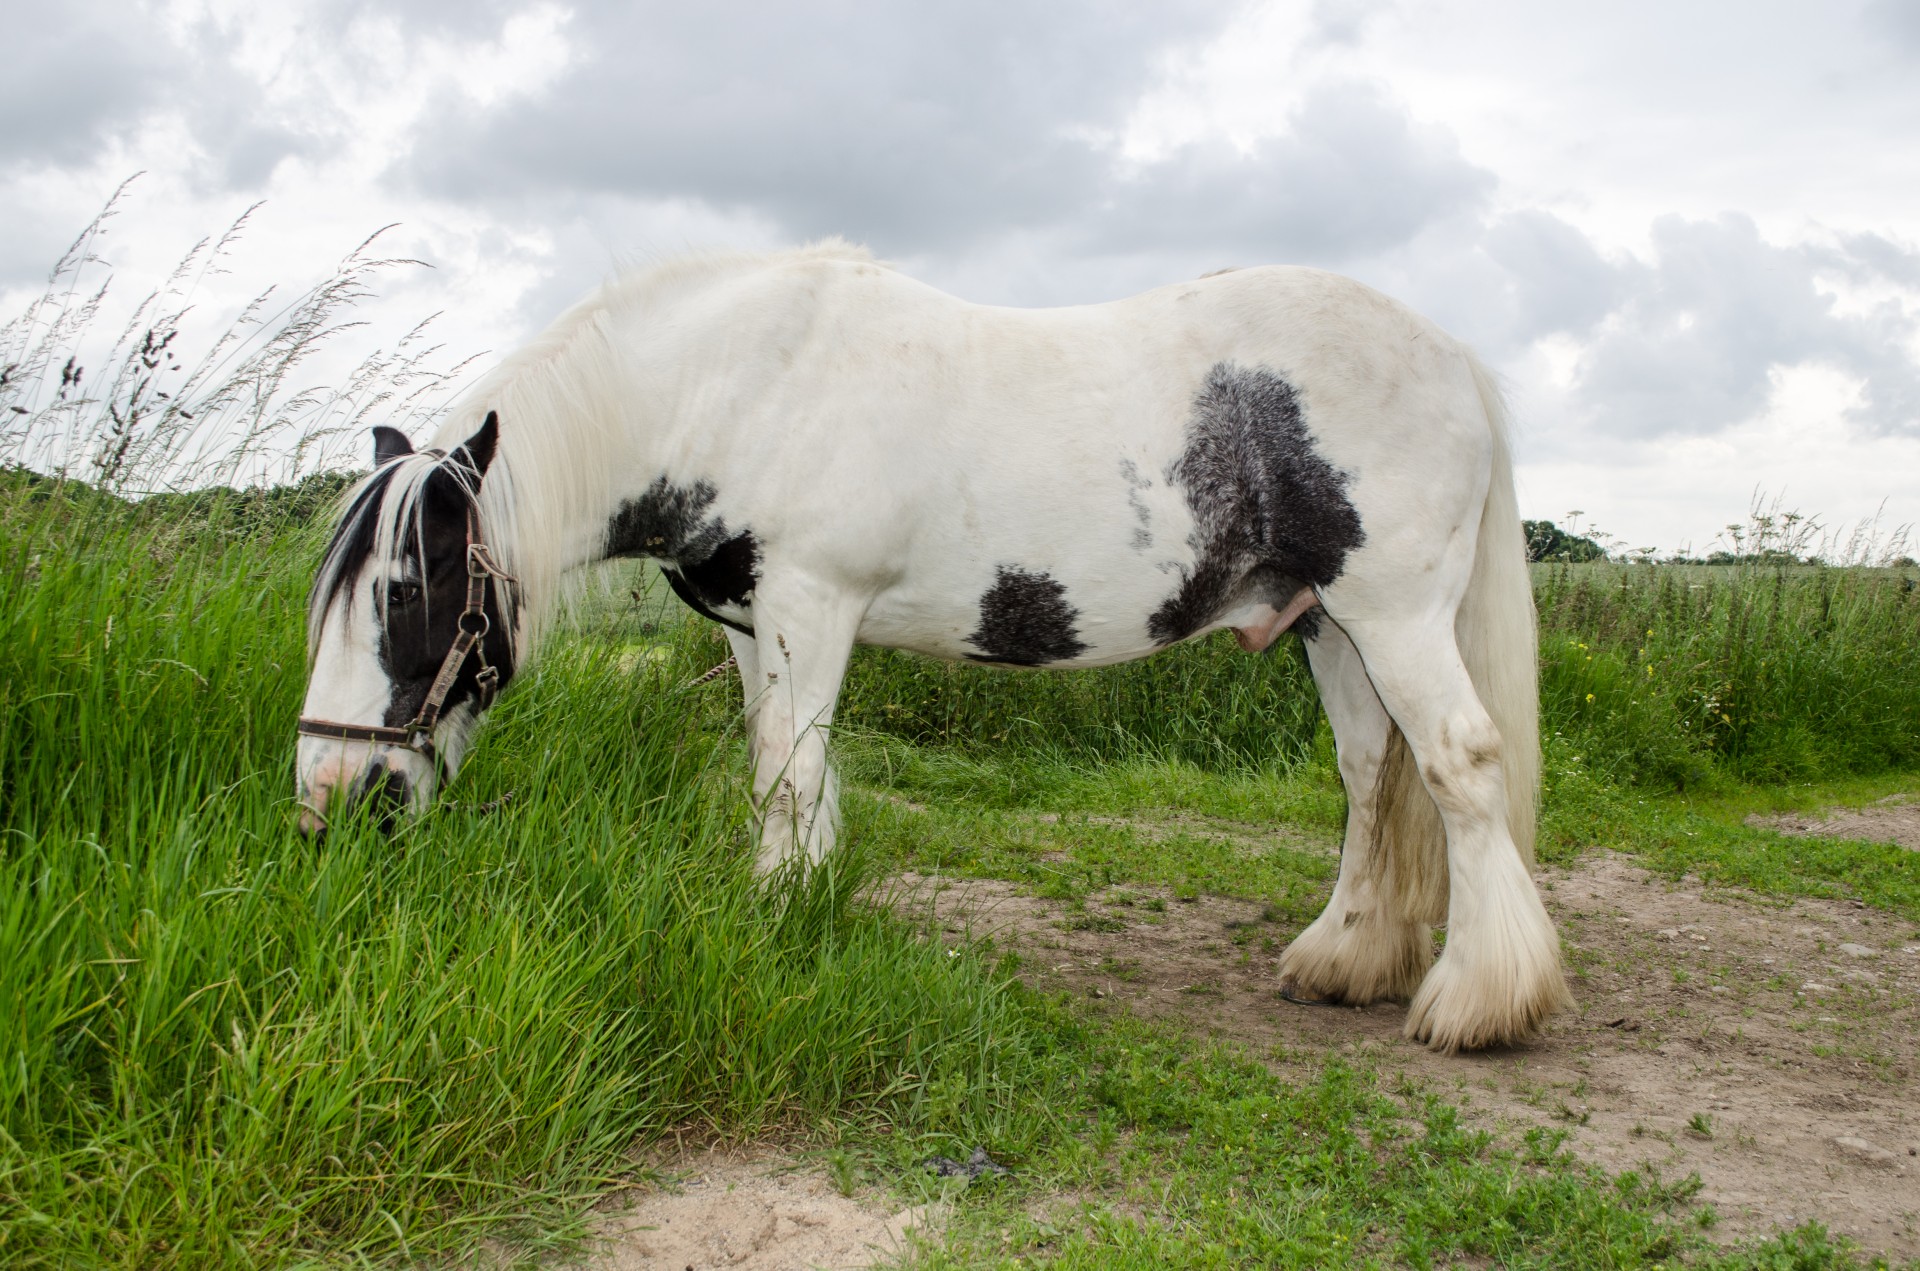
(476, 452)
(389, 444)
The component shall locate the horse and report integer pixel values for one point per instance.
(818, 451)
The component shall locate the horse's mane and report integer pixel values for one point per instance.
(560, 403)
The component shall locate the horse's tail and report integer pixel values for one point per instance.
(1498, 640)
(1497, 629)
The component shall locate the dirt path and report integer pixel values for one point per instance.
(1773, 1050)
(1894, 819)
(754, 1211)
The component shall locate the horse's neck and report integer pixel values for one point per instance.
(604, 409)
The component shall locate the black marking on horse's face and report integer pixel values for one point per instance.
(419, 613)
(1025, 620)
(705, 563)
(1270, 515)
(1143, 532)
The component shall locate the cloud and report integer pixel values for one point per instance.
(1352, 175)
(76, 72)
(1896, 20)
(910, 126)
(1718, 310)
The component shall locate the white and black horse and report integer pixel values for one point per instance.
(820, 452)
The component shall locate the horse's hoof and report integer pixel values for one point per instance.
(1300, 999)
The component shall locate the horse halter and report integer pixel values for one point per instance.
(469, 641)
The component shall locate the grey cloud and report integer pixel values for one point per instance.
(1718, 308)
(1343, 22)
(1558, 282)
(1897, 20)
(910, 126)
(1864, 257)
(79, 74)
(1351, 176)
(75, 72)
(1504, 282)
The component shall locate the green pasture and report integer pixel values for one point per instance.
(226, 1046)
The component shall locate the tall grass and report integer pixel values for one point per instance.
(269, 396)
(226, 1045)
(1664, 676)
(1678, 676)
(1205, 703)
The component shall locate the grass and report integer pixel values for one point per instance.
(1194, 703)
(226, 1045)
(1678, 678)
(1186, 1155)
(1705, 835)
(229, 1046)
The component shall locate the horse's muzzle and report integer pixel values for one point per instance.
(383, 791)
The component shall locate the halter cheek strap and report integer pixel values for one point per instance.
(469, 641)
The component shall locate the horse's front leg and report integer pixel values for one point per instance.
(802, 635)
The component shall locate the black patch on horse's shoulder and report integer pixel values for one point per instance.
(705, 563)
(1270, 515)
(1025, 620)
(667, 522)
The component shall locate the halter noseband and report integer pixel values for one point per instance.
(469, 641)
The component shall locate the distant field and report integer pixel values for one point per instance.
(225, 1046)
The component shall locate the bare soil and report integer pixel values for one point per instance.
(757, 1211)
(1772, 1049)
(1894, 819)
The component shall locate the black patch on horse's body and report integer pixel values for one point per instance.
(1270, 515)
(1025, 620)
(706, 564)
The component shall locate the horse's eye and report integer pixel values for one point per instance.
(402, 593)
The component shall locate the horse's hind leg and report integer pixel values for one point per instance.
(802, 637)
(1499, 976)
(1373, 940)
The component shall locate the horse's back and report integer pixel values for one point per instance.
(957, 458)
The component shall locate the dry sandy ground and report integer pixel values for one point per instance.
(1894, 819)
(1791, 1032)
(754, 1211)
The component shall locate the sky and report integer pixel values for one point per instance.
(1688, 236)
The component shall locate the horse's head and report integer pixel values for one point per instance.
(410, 632)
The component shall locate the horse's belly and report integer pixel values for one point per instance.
(1019, 618)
